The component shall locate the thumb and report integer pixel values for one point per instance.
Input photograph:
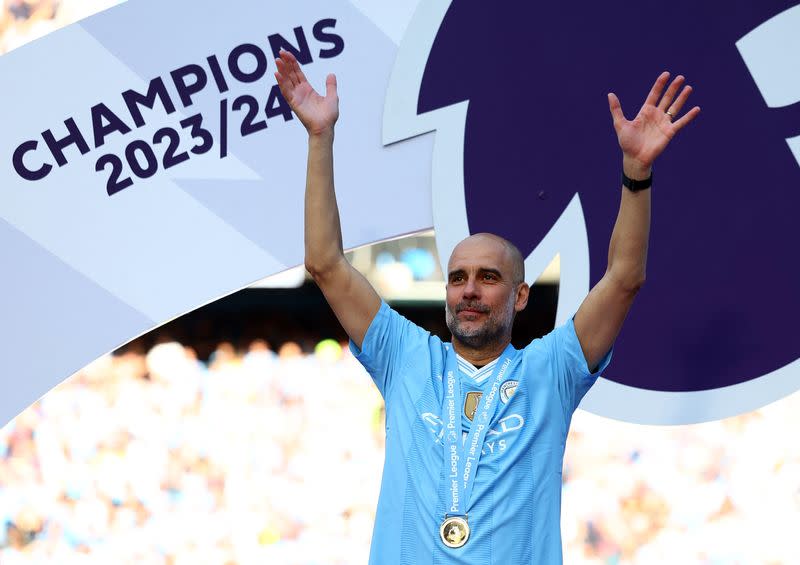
(616, 109)
(330, 86)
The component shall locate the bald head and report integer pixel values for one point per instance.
(512, 253)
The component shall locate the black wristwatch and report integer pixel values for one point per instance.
(637, 185)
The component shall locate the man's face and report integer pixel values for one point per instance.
(482, 295)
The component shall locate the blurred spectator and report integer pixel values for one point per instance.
(158, 457)
(23, 21)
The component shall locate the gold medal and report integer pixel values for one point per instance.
(454, 531)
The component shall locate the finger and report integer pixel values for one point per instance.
(616, 109)
(658, 88)
(287, 57)
(285, 70)
(284, 78)
(286, 88)
(679, 102)
(298, 71)
(280, 75)
(330, 86)
(285, 85)
(293, 67)
(669, 95)
(686, 118)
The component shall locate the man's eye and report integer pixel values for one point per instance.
(489, 277)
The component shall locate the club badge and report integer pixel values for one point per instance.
(507, 390)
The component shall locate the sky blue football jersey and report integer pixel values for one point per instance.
(515, 507)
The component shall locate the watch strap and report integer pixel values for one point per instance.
(636, 185)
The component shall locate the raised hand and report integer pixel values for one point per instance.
(645, 137)
(317, 113)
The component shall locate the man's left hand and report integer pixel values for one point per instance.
(645, 137)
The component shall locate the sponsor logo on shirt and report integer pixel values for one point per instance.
(498, 437)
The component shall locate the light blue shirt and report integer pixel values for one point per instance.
(515, 507)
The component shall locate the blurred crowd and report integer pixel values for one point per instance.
(257, 456)
(22, 21)
(253, 457)
(718, 493)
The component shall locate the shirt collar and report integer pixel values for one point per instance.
(470, 370)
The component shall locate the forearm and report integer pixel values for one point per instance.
(323, 234)
(627, 253)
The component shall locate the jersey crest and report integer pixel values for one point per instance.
(507, 390)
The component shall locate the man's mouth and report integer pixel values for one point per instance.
(471, 310)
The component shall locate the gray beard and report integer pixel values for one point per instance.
(490, 333)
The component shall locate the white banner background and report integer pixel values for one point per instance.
(85, 272)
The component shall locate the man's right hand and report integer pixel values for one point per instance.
(317, 113)
(349, 294)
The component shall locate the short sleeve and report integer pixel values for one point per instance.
(388, 345)
(574, 376)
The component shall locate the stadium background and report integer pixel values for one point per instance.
(244, 433)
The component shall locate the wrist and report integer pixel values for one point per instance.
(322, 134)
(635, 169)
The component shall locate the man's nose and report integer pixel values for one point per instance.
(471, 288)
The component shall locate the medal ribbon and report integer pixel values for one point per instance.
(461, 460)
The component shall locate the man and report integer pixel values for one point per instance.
(475, 430)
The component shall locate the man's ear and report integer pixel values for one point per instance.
(523, 291)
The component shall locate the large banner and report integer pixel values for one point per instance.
(150, 165)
